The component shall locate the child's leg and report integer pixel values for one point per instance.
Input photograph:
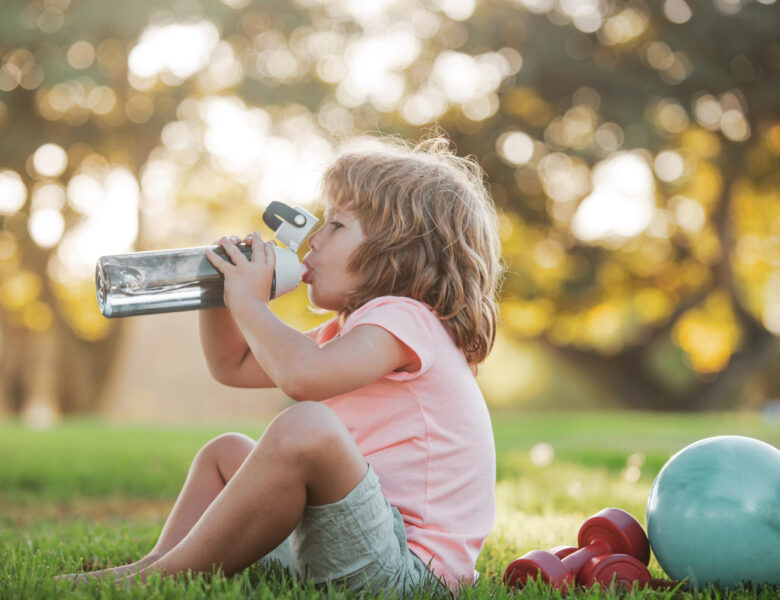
(213, 466)
(306, 456)
(211, 469)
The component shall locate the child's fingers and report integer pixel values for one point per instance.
(235, 239)
(232, 251)
(248, 239)
(216, 260)
(258, 246)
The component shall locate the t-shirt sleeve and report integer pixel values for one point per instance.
(323, 332)
(410, 321)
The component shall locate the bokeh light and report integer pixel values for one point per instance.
(50, 160)
(669, 165)
(677, 11)
(108, 198)
(604, 148)
(373, 65)
(13, 192)
(622, 202)
(178, 49)
(46, 226)
(709, 334)
(515, 147)
(542, 454)
(81, 54)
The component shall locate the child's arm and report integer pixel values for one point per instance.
(228, 356)
(227, 353)
(292, 360)
(305, 371)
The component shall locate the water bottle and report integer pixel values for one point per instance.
(144, 283)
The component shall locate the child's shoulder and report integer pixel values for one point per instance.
(404, 303)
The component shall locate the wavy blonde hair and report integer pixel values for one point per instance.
(431, 232)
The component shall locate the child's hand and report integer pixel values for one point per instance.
(245, 278)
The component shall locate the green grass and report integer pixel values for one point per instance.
(88, 494)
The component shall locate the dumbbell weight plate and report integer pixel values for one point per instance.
(536, 562)
(622, 569)
(620, 530)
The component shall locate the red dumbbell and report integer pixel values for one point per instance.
(563, 551)
(622, 570)
(607, 533)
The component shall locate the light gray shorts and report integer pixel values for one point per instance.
(359, 541)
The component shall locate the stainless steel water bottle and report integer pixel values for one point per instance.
(143, 283)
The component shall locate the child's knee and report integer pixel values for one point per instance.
(308, 426)
(227, 450)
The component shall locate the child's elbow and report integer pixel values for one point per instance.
(218, 375)
(300, 391)
(295, 389)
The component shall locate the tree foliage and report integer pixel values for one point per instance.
(632, 146)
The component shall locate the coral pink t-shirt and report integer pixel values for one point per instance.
(428, 436)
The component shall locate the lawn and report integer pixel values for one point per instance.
(88, 494)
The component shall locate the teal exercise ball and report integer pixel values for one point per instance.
(713, 514)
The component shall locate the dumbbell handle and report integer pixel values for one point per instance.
(576, 560)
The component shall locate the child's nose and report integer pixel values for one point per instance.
(314, 240)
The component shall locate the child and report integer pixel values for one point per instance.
(382, 475)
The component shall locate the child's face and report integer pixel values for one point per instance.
(331, 248)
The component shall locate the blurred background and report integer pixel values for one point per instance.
(632, 147)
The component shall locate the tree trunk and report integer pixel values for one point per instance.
(85, 367)
(40, 406)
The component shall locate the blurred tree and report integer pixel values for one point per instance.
(633, 147)
(659, 275)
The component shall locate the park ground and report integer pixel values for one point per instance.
(87, 494)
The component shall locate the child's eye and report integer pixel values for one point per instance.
(336, 224)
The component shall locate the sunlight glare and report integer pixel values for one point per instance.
(179, 48)
(734, 125)
(536, 6)
(84, 193)
(110, 226)
(708, 111)
(48, 195)
(465, 79)
(50, 160)
(373, 64)
(159, 180)
(677, 11)
(516, 147)
(367, 13)
(622, 201)
(46, 226)
(687, 213)
(13, 192)
(235, 135)
(458, 10)
(669, 165)
(424, 106)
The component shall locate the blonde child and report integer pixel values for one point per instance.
(382, 474)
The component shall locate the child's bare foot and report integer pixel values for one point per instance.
(128, 580)
(113, 572)
(75, 578)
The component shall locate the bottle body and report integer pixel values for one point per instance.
(143, 283)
